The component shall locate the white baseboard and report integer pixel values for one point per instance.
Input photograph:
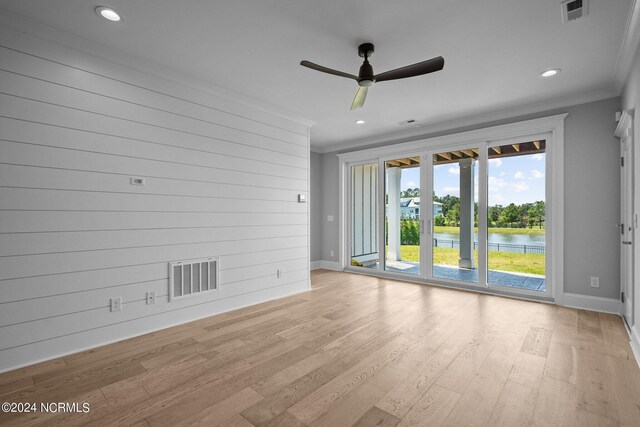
(587, 302)
(635, 342)
(327, 265)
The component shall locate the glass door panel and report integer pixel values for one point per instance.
(364, 216)
(402, 215)
(516, 215)
(455, 215)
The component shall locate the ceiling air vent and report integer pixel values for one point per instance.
(574, 9)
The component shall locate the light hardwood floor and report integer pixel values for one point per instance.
(355, 350)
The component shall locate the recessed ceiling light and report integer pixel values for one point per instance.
(108, 13)
(360, 122)
(551, 72)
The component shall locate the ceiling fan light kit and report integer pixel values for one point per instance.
(366, 78)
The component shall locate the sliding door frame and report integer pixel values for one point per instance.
(549, 202)
(552, 127)
(382, 188)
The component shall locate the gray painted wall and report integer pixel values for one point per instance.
(315, 200)
(330, 200)
(592, 201)
(222, 179)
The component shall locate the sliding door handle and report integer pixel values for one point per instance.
(626, 242)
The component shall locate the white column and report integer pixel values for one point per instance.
(393, 213)
(466, 213)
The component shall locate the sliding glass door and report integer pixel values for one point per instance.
(402, 215)
(473, 215)
(455, 215)
(516, 212)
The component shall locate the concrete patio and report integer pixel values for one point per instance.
(499, 278)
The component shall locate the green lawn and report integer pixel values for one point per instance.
(502, 261)
(529, 231)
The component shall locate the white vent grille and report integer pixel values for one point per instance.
(193, 277)
(574, 9)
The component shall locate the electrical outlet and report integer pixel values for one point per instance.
(278, 273)
(331, 254)
(595, 282)
(151, 298)
(116, 304)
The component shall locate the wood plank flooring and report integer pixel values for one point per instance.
(355, 350)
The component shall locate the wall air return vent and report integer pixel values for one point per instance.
(574, 9)
(193, 277)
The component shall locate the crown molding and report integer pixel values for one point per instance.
(628, 48)
(40, 30)
(475, 120)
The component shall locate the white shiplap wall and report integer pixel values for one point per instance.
(222, 179)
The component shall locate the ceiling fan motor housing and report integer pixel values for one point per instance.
(366, 76)
(366, 50)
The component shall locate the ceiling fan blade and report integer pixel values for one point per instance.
(361, 95)
(327, 70)
(424, 67)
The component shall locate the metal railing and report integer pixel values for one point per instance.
(497, 247)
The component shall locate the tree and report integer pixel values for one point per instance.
(409, 232)
(410, 192)
(448, 202)
(536, 213)
(510, 214)
(493, 218)
(452, 216)
(475, 214)
(439, 221)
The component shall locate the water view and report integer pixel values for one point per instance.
(497, 237)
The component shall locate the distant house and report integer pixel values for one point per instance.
(410, 208)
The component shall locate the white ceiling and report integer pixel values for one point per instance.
(493, 50)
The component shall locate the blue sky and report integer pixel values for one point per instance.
(518, 179)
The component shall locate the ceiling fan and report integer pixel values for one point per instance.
(366, 78)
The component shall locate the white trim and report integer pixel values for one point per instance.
(555, 194)
(466, 121)
(634, 334)
(309, 205)
(510, 130)
(326, 265)
(555, 169)
(587, 302)
(624, 131)
(628, 47)
(342, 214)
